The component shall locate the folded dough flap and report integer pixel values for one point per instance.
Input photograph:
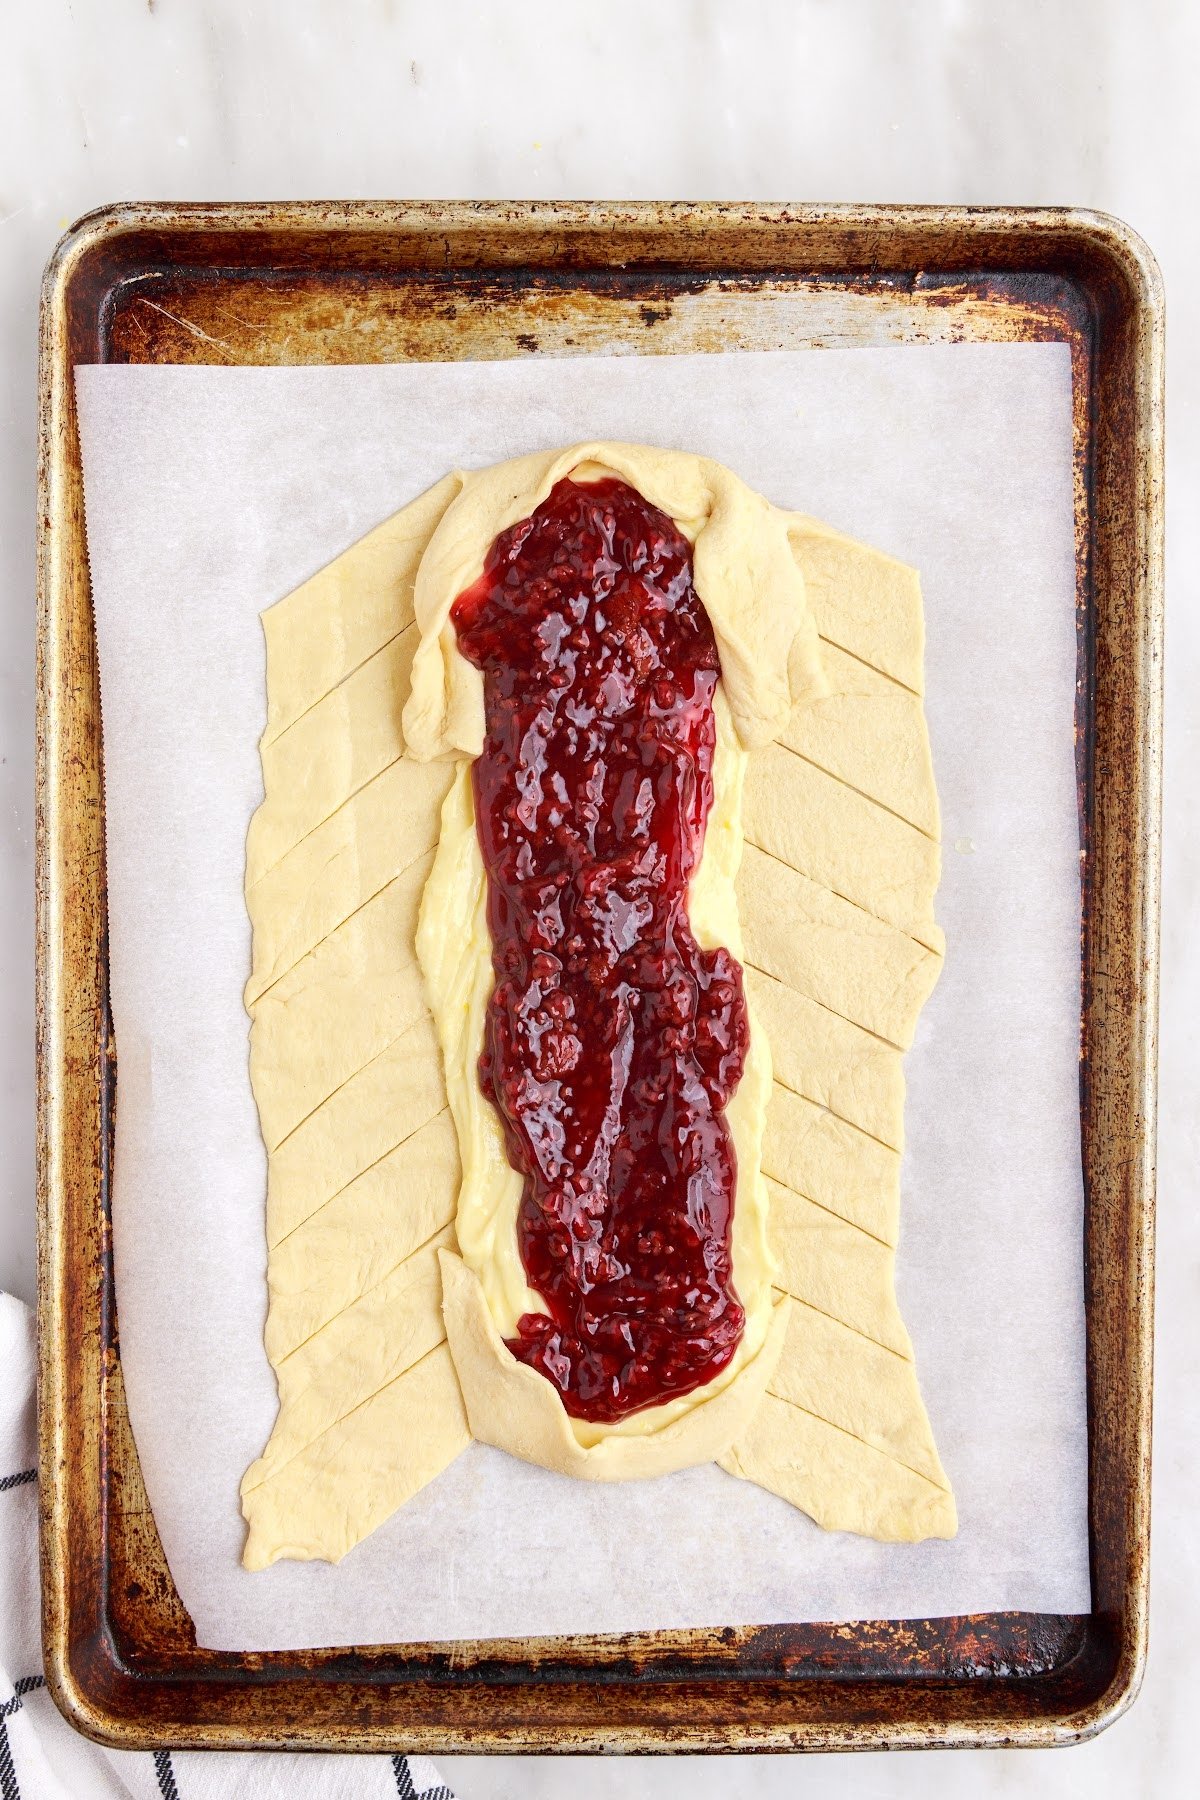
(746, 570)
(513, 1407)
(363, 1168)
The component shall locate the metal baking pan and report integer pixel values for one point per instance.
(386, 282)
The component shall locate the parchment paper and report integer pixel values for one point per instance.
(212, 492)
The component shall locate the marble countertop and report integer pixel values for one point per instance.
(1087, 102)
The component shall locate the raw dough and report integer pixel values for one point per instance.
(362, 1153)
(838, 981)
(839, 948)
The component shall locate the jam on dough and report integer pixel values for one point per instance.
(385, 1180)
(741, 545)
(612, 1042)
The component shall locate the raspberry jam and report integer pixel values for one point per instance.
(612, 1042)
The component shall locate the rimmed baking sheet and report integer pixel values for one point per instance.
(210, 493)
(321, 283)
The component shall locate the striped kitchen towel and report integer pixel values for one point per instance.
(41, 1756)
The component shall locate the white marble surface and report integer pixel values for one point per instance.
(1081, 101)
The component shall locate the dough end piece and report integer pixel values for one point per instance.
(516, 1409)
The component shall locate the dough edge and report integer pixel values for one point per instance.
(513, 1407)
(745, 572)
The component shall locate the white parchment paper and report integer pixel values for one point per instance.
(212, 492)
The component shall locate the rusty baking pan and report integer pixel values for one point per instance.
(388, 282)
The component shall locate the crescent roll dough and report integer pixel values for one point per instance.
(393, 1266)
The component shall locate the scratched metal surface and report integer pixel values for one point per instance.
(374, 282)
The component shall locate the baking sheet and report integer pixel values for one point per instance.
(210, 493)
